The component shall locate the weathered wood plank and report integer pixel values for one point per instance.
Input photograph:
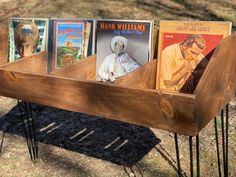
(144, 77)
(171, 112)
(154, 43)
(217, 85)
(33, 64)
(84, 69)
(3, 44)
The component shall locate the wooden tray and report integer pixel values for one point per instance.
(131, 98)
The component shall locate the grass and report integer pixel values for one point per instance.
(132, 9)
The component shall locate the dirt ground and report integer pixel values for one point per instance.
(79, 145)
(74, 144)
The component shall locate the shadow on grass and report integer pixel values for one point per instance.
(113, 141)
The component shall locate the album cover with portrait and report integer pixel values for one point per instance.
(122, 47)
(184, 50)
(26, 36)
(70, 40)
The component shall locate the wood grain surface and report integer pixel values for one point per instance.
(84, 69)
(33, 64)
(149, 108)
(218, 82)
(144, 77)
(3, 44)
(154, 43)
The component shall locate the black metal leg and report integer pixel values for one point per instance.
(21, 110)
(3, 135)
(131, 169)
(197, 155)
(223, 139)
(226, 137)
(35, 142)
(225, 134)
(191, 155)
(27, 119)
(177, 155)
(217, 147)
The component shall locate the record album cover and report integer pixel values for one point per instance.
(185, 48)
(20, 39)
(122, 47)
(70, 41)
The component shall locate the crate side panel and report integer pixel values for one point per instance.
(144, 77)
(171, 112)
(84, 69)
(36, 64)
(217, 85)
(3, 45)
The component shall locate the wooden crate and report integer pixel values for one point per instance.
(131, 98)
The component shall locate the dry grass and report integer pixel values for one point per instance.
(150, 153)
(124, 9)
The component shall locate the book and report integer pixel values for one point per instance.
(184, 50)
(70, 40)
(122, 47)
(42, 27)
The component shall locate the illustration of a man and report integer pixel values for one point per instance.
(118, 63)
(179, 60)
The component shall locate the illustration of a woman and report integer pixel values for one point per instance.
(118, 63)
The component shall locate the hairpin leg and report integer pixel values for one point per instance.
(217, 147)
(3, 135)
(197, 155)
(224, 129)
(191, 156)
(27, 119)
(223, 139)
(177, 155)
(226, 138)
